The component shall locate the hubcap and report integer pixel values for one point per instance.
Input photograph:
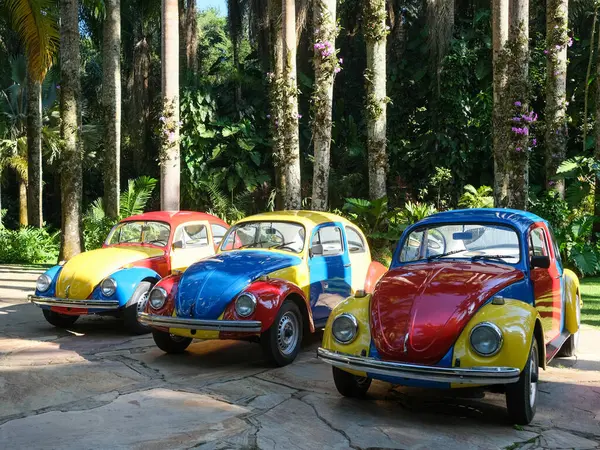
(141, 304)
(533, 371)
(287, 333)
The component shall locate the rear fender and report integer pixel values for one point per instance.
(571, 294)
(127, 282)
(270, 295)
(375, 272)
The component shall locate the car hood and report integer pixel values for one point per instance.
(419, 310)
(207, 286)
(82, 273)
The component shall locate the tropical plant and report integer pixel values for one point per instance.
(28, 246)
(477, 198)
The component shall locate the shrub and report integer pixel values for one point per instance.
(29, 246)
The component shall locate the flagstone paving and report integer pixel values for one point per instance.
(96, 386)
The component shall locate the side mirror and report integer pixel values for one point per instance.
(541, 262)
(316, 250)
(177, 244)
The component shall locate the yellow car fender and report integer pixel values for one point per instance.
(572, 297)
(518, 321)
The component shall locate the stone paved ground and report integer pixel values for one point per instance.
(95, 386)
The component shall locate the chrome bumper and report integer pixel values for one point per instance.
(472, 375)
(239, 326)
(67, 303)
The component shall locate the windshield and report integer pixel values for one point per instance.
(155, 233)
(287, 236)
(469, 241)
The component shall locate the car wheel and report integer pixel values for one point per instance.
(59, 320)
(350, 385)
(281, 342)
(569, 348)
(521, 397)
(137, 303)
(169, 343)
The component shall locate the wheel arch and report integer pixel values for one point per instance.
(538, 334)
(309, 326)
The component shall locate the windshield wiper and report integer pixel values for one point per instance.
(478, 257)
(442, 255)
(284, 244)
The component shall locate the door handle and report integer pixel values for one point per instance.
(347, 265)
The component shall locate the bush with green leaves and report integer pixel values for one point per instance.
(481, 197)
(29, 246)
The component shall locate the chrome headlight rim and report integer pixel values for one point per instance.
(353, 321)
(108, 287)
(497, 331)
(253, 302)
(161, 300)
(44, 287)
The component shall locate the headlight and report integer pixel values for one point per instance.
(344, 328)
(486, 339)
(43, 283)
(157, 298)
(108, 287)
(245, 304)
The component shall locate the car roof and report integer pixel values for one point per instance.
(521, 220)
(176, 218)
(307, 218)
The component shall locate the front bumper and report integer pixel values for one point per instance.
(67, 303)
(234, 326)
(458, 375)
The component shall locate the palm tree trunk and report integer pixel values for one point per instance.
(500, 62)
(596, 225)
(141, 101)
(34, 151)
(375, 36)
(557, 41)
(291, 160)
(111, 99)
(70, 90)
(326, 63)
(170, 162)
(22, 202)
(191, 41)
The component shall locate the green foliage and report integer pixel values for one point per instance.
(477, 198)
(133, 201)
(28, 246)
(413, 212)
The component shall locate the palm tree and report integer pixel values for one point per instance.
(170, 162)
(37, 26)
(111, 99)
(70, 113)
(375, 32)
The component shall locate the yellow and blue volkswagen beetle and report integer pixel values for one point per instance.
(115, 280)
(473, 298)
(276, 276)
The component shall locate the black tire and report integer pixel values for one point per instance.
(169, 343)
(521, 397)
(136, 303)
(350, 385)
(282, 341)
(569, 348)
(59, 320)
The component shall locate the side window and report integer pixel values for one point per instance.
(218, 232)
(331, 239)
(436, 243)
(355, 241)
(537, 243)
(555, 245)
(195, 235)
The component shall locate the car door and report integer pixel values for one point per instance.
(330, 270)
(547, 290)
(359, 257)
(191, 243)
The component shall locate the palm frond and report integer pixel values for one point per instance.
(37, 26)
(134, 199)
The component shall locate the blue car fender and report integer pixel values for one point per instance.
(53, 273)
(127, 282)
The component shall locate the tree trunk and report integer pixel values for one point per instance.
(111, 99)
(326, 64)
(191, 38)
(70, 90)
(375, 36)
(141, 102)
(518, 82)
(596, 226)
(557, 41)
(500, 61)
(170, 162)
(291, 161)
(235, 27)
(22, 202)
(34, 152)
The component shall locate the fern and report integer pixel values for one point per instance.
(134, 199)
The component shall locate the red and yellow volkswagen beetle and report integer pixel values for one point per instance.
(473, 298)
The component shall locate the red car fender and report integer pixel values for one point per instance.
(169, 284)
(375, 272)
(270, 295)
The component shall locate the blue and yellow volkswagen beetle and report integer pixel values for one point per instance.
(115, 280)
(276, 277)
(473, 298)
